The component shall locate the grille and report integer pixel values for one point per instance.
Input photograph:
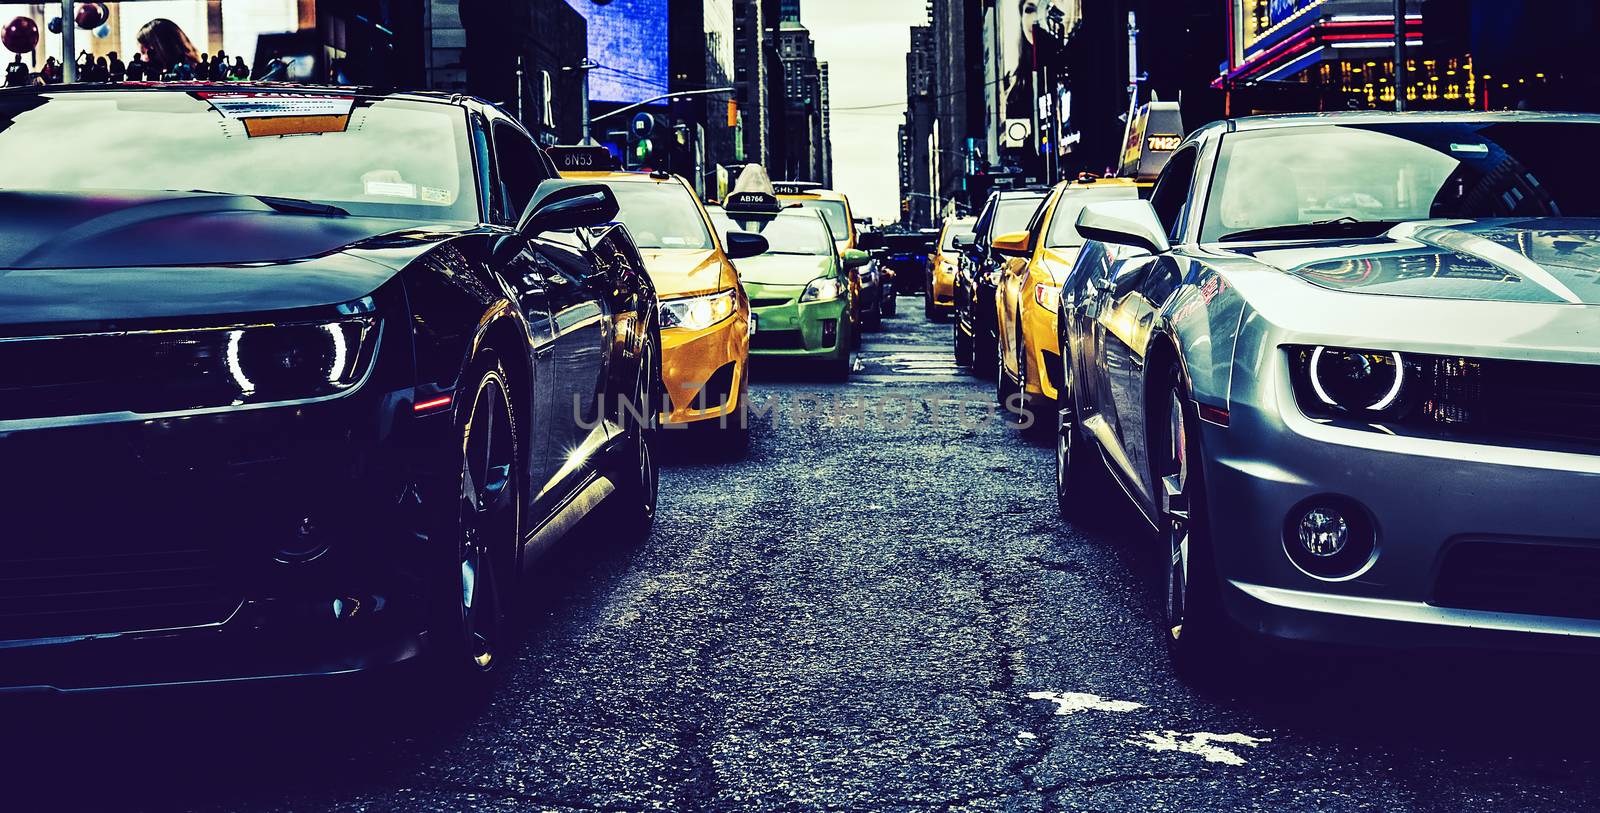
(717, 390)
(1538, 579)
(75, 595)
(778, 340)
(770, 301)
(83, 375)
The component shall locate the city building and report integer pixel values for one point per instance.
(519, 55)
(921, 201)
(705, 126)
(751, 79)
(808, 155)
(1460, 54)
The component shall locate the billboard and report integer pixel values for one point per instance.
(628, 39)
(1016, 22)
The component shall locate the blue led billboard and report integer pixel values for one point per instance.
(628, 38)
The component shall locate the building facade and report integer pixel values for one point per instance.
(519, 55)
(808, 154)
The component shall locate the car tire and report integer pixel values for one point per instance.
(1199, 637)
(477, 585)
(961, 344)
(985, 349)
(1080, 472)
(928, 310)
(1003, 388)
(631, 512)
(872, 315)
(891, 301)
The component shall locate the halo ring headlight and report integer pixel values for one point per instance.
(1355, 380)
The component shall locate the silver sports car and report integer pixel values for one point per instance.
(1349, 367)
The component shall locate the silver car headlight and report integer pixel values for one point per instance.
(821, 289)
(698, 312)
(1338, 380)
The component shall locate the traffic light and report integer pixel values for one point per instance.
(646, 148)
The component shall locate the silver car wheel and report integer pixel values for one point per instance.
(1175, 518)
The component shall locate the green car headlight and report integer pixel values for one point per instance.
(820, 289)
(698, 312)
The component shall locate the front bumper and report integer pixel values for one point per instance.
(943, 289)
(703, 371)
(240, 545)
(1428, 498)
(1039, 339)
(789, 327)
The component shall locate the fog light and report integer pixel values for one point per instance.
(830, 332)
(1324, 532)
(1330, 537)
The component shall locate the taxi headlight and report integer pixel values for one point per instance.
(698, 312)
(820, 289)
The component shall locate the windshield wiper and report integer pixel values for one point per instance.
(297, 206)
(1340, 226)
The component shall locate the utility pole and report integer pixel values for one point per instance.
(584, 67)
(1400, 55)
(520, 88)
(69, 43)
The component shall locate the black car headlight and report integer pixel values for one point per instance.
(293, 362)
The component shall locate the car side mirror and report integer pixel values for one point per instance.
(1012, 243)
(742, 244)
(855, 257)
(1124, 223)
(559, 205)
(869, 241)
(964, 242)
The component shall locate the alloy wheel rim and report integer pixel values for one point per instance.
(1064, 432)
(1175, 509)
(488, 518)
(649, 479)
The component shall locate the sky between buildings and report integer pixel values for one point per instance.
(865, 44)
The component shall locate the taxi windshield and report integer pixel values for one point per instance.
(1064, 223)
(1013, 214)
(376, 158)
(836, 213)
(791, 232)
(661, 215)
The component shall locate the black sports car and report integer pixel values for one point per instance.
(297, 381)
(974, 333)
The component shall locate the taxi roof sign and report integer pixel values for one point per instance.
(753, 192)
(1155, 132)
(795, 187)
(582, 159)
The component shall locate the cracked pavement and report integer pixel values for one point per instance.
(852, 616)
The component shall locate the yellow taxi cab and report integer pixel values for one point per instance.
(835, 208)
(939, 290)
(705, 315)
(1026, 300)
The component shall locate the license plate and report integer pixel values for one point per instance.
(753, 323)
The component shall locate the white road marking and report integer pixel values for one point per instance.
(1074, 702)
(1199, 744)
(1027, 735)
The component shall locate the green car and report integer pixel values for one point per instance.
(799, 289)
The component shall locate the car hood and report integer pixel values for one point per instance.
(1542, 260)
(682, 272)
(107, 258)
(784, 269)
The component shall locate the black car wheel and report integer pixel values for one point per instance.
(637, 473)
(1198, 636)
(1002, 381)
(985, 350)
(962, 345)
(890, 301)
(1078, 469)
(927, 299)
(489, 523)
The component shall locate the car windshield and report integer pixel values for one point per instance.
(1423, 170)
(661, 215)
(1012, 214)
(372, 157)
(954, 230)
(791, 232)
(1064, 221)
(836, 213)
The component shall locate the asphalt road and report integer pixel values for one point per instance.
(875, 611)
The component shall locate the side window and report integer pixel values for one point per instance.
(981, 229)
(1036, 225)
(1172, 190)
(520, 170)
(488, 176)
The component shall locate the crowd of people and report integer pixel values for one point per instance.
(165, 55)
